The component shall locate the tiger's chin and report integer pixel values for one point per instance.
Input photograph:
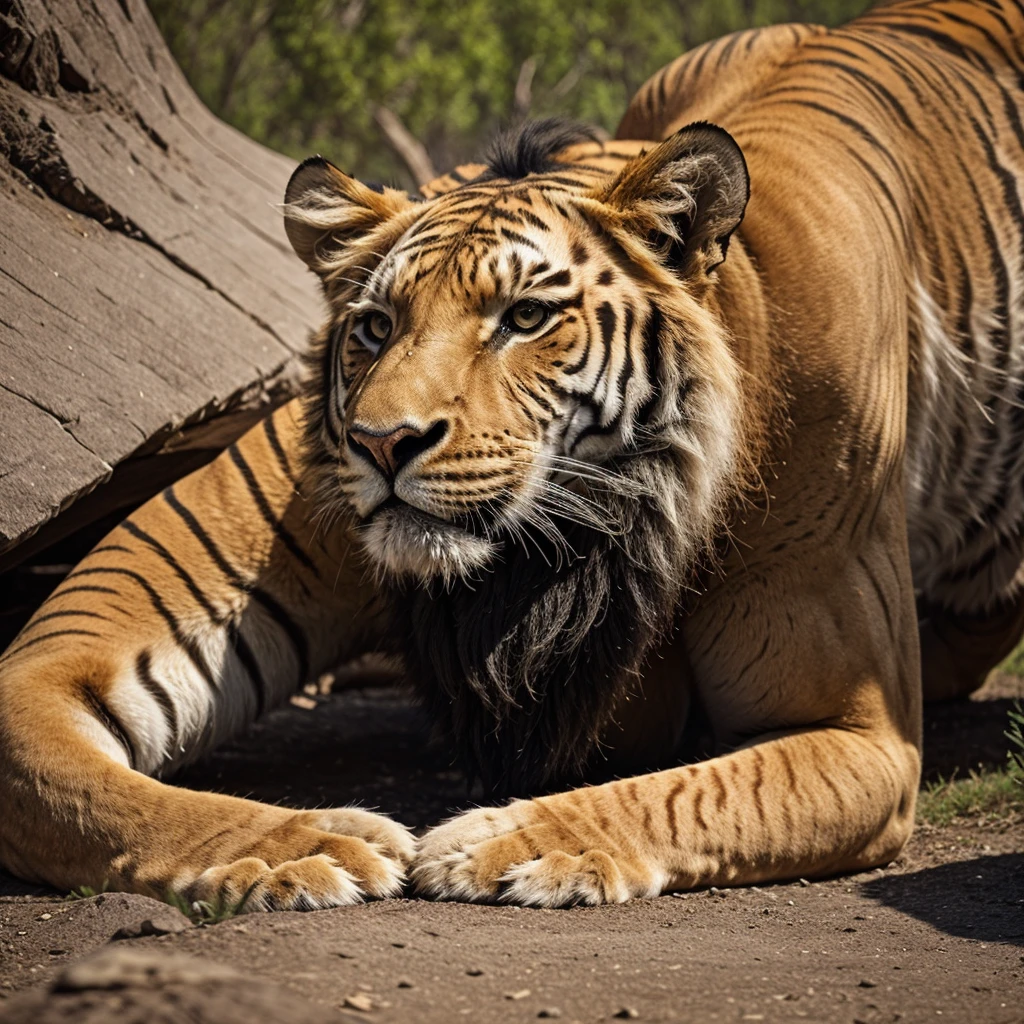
(405, 542)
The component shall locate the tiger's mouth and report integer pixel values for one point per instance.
(405, 541)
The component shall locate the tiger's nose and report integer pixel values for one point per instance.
(391, 450)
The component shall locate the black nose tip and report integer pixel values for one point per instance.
(390, 450)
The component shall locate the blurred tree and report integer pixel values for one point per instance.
(363, 81)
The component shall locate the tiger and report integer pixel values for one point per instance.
(717, 421)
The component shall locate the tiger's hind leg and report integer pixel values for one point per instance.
(959, 650)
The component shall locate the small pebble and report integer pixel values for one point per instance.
(550, 1012)
(362, 1003)
(628, 1013)
(474, 972)
(405, 983)
(44, 917)
(804, 882)
(864, 983)
(521, 994)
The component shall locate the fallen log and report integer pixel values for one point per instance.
(150, 306)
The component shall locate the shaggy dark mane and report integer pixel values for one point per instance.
(528, 148)
(522, 670)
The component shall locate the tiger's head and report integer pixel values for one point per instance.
(502, 359)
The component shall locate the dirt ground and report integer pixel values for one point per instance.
(938, 935)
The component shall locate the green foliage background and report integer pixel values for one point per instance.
(305, 76)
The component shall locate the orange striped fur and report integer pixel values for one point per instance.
(765, 455)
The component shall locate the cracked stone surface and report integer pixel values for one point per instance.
(148, 296)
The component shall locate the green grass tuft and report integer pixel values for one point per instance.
(199, 911)
(86, 892)
(1015, 734)
(986, 793)
(205, 912)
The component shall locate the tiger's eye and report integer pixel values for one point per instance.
(378, 326)
(527, 316)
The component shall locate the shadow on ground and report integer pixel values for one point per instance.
(980, 899)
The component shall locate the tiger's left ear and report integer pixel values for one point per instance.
(685, 197)
(326, 211)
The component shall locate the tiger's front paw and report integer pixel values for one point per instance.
(314, 860)
(536, 853)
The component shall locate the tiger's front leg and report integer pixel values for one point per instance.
(834, 794)
(208, 606)
(751, 816)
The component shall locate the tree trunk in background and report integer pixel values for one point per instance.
(150, 306)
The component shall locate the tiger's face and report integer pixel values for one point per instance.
(492, 353)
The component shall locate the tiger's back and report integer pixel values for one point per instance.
(922, 101)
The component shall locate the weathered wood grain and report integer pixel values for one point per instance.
(146, 285)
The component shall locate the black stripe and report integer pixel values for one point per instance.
(143, 669)
(895, 61)
(515, 236)
(726, 53)
(607, 321)
(200, 534)
(946, 42)
(511, 216)
(270, 429)
(11, 652)
(84, 588)
(164, 612)
(539, 399)
(238, 642)
(574, 368)
(252, 666)
(870, 82)
(627, 367)
(198, 596)
(64, 614)
(532, 218)
(263, 505)
(109, 721)
(850, 122)
(652, 341)
(270, 604)
(560, 278)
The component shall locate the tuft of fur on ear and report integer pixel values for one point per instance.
(685, 197)
(325, 211)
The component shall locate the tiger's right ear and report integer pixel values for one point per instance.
(326, 211)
